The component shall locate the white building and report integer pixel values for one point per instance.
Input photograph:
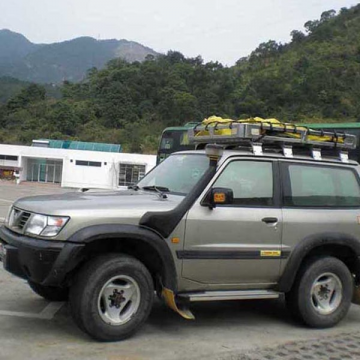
(74, 168)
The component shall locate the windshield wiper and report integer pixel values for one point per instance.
(133, 187)
(160, 189)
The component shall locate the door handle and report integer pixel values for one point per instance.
(270, 220)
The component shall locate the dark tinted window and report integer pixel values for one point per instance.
(88, 163)
(250, 181)
(321, 186)
(8, 157)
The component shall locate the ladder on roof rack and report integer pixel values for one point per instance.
(286, 135)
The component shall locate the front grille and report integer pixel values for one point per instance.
(18, 219)
(24, 217)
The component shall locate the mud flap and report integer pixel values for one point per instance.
(169, 298)
(356, 297)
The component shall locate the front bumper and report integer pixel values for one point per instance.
(46, 262)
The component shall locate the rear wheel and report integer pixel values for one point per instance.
(112, 297)
(50, 293)
(322, 293)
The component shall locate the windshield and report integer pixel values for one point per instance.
(178, 173)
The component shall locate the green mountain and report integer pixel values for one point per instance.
(14, 46)
(314, 78)
(68, 60)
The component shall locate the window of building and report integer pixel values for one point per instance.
(321, 186)
(250, 181)
(130, 174)
(44, 170)
(88, 163)
(8, 157)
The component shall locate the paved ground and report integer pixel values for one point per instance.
(31, 328)
(10, 192)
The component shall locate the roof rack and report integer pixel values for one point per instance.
(255, 134)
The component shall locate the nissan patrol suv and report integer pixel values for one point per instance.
(259, 210)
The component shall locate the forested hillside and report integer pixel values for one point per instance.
(317, 74)
(316, 77)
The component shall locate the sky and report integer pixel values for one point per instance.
(218, 30)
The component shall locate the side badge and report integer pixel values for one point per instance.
(270, 253)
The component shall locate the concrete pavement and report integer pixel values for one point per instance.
(222, 330)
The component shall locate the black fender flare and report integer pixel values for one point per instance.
(134, 233)
(303, 248)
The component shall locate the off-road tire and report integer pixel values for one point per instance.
(299, 300)
(85, 290)
(50, 293)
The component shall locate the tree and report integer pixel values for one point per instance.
(61, 118)
(29, 94)
(310, 26)
(327, 15)
(297, 36)
(265, 49)
(175, 57)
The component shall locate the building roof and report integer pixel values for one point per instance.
(77, 145)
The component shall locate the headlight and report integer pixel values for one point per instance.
(46, 225)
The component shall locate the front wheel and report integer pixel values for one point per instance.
(322, 293)
(112, 297)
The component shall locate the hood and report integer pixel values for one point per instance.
(91, 202)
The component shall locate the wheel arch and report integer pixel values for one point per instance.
(342, 246)
(144, 244)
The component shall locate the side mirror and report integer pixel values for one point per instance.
(218, 196)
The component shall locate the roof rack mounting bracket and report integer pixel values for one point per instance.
(316, 153)
(287, 150)
(257, 149)
(344, 156)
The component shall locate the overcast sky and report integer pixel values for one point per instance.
(222, 30)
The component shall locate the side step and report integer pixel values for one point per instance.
(229, 295)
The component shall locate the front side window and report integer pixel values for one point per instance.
(321, 186)
(178, 173)
(250, 181)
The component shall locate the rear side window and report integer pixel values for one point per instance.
(321, 186)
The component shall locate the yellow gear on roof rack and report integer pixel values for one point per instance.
(214, 121)
(255, 132)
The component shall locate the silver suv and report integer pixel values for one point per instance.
(227, 223)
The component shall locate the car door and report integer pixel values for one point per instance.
(238, 243)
